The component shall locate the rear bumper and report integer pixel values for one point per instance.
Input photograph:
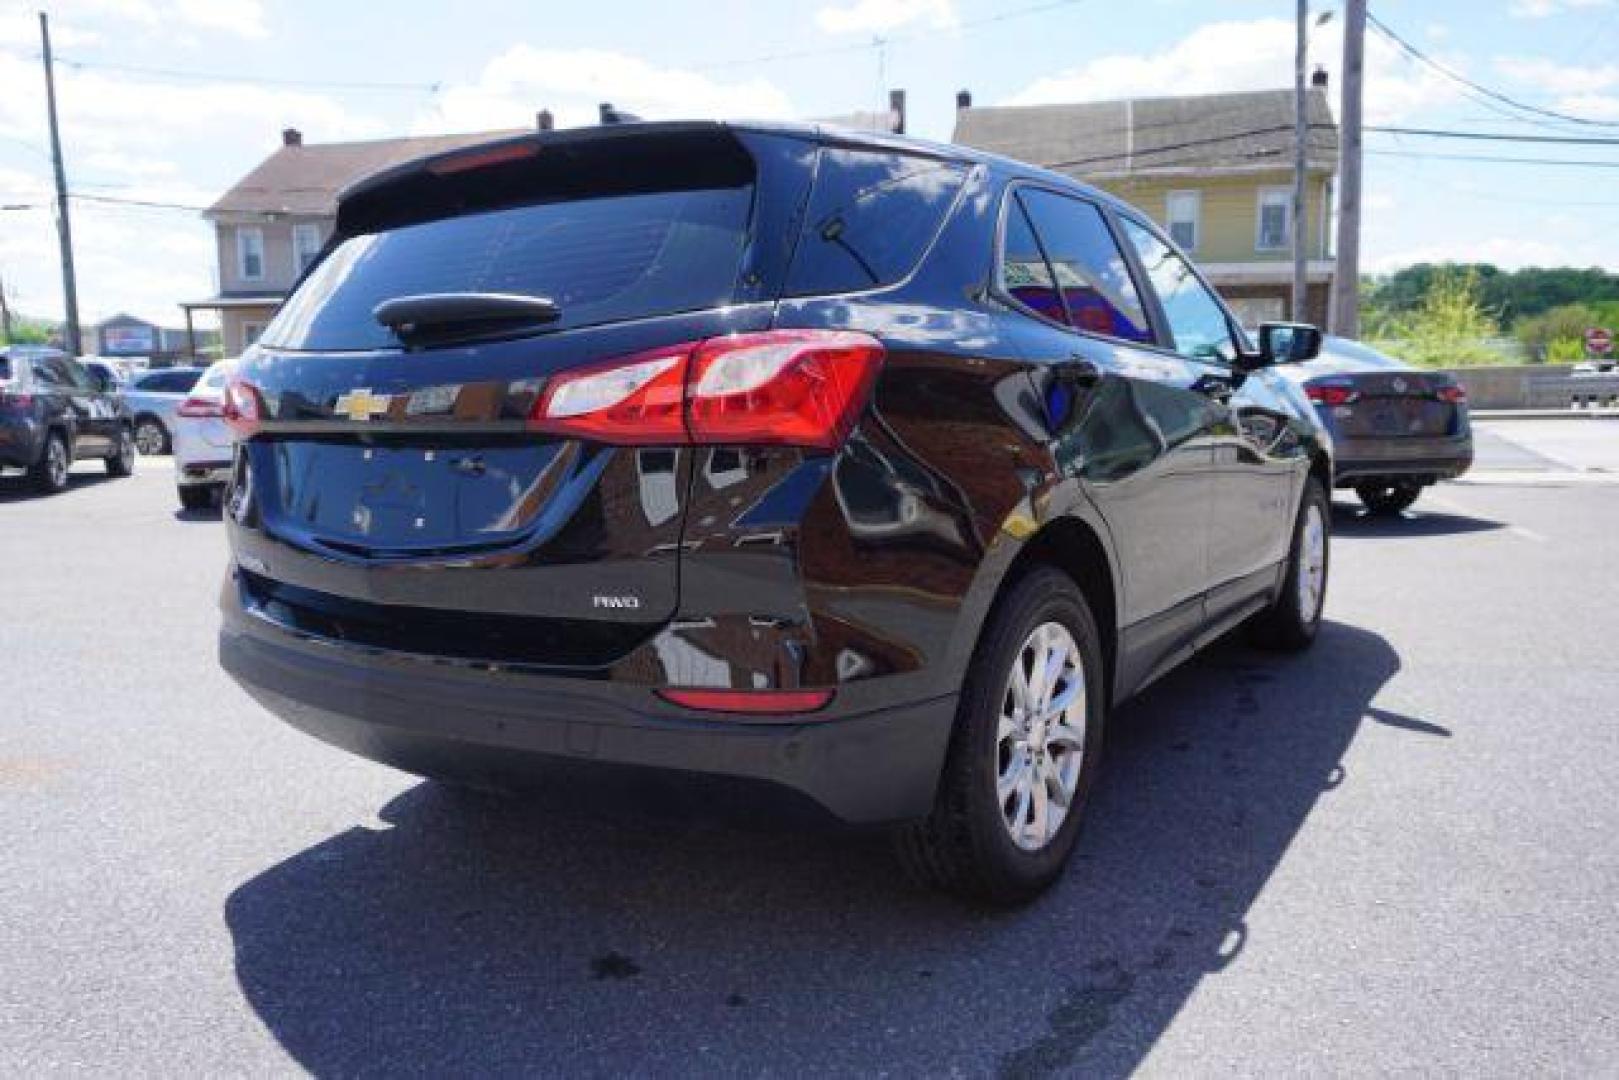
(1359, 461)
(20, 442)
(213, 473)
(500, 727)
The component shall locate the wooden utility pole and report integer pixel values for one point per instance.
(5, 312)
(1346, 282)
(1301, 120)
(64, 227)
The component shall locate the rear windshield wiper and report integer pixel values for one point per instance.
(459, 315)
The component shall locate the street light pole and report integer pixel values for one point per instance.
(1301, 112)
(64, 227)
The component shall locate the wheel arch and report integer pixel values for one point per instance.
(1076, 544)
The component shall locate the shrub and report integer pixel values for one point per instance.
(1449, 327)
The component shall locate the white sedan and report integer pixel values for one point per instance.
(202, 440)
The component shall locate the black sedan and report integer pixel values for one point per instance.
(1395, 429)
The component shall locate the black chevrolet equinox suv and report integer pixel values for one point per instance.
(775, 463)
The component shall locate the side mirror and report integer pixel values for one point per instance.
(1287, 343)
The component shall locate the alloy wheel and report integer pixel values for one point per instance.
(1312, 568)
(149, 438)
(1040, 737)
(56, 463)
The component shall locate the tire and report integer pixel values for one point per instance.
(151, 437)
(195, 496)
(966, 845)
(1291, 622)
(122, 460)
(1388, 498)
(49, 475)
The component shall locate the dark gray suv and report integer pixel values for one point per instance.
(54, 412)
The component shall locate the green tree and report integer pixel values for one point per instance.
(1547, 336)
(1449, 326)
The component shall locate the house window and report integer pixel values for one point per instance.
(250, 254)
(1275, 219)
(305, 245)
(251, 332)
(1183, 214)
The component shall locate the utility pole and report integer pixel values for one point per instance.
(5, 312)
(64, 228)
(1346, 283)
(1301, 115)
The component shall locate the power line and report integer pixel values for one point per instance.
(1494, 136)
(153, 204)
(1494, 160)
(1495, 95)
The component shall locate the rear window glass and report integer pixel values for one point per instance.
(870, 218)
(601, 260)
(5, 368)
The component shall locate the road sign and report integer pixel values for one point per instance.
(1599, 340)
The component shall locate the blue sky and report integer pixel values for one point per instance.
(182, 135)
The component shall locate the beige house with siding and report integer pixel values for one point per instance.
(275, 220)
(1215, 170)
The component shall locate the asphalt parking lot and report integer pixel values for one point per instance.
(1397, 853)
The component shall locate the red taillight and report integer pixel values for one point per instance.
(1456, 395)
(757, 702)
(240, 408)
(635, 400)
(788, 387)
(1330, 393)
(197, 408)
(779, 387)
(14, 399)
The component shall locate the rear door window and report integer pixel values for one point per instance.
(5, 367)
(1025, 274)
(600, 259)
(1094, 284)
(871, 217)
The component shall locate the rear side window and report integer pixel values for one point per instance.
(5, 367)
(600, 259)
(871, 217)
(1094, 282)
(1025, 274)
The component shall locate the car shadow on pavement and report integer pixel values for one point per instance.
(478, 935)
(1353, 522)
(20, 489)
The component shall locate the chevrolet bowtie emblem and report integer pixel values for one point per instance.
(362, 404)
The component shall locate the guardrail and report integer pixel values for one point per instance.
(1536, 386)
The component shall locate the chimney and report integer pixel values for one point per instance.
(964, 99)
(1318, 78)
(896, 106)
(291, 137)
(544, 121)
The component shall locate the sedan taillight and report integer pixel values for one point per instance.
(1456, 395)
(1330, 392)
(779, 387)
(199, 408)
(15, 399)
(241, 408)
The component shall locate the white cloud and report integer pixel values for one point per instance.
(242, 17)
(1542, 9)
(571, 83)
(1589, 106)
(1557, 77)
(878, 16)
(1509, 253)
(1251, 55)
